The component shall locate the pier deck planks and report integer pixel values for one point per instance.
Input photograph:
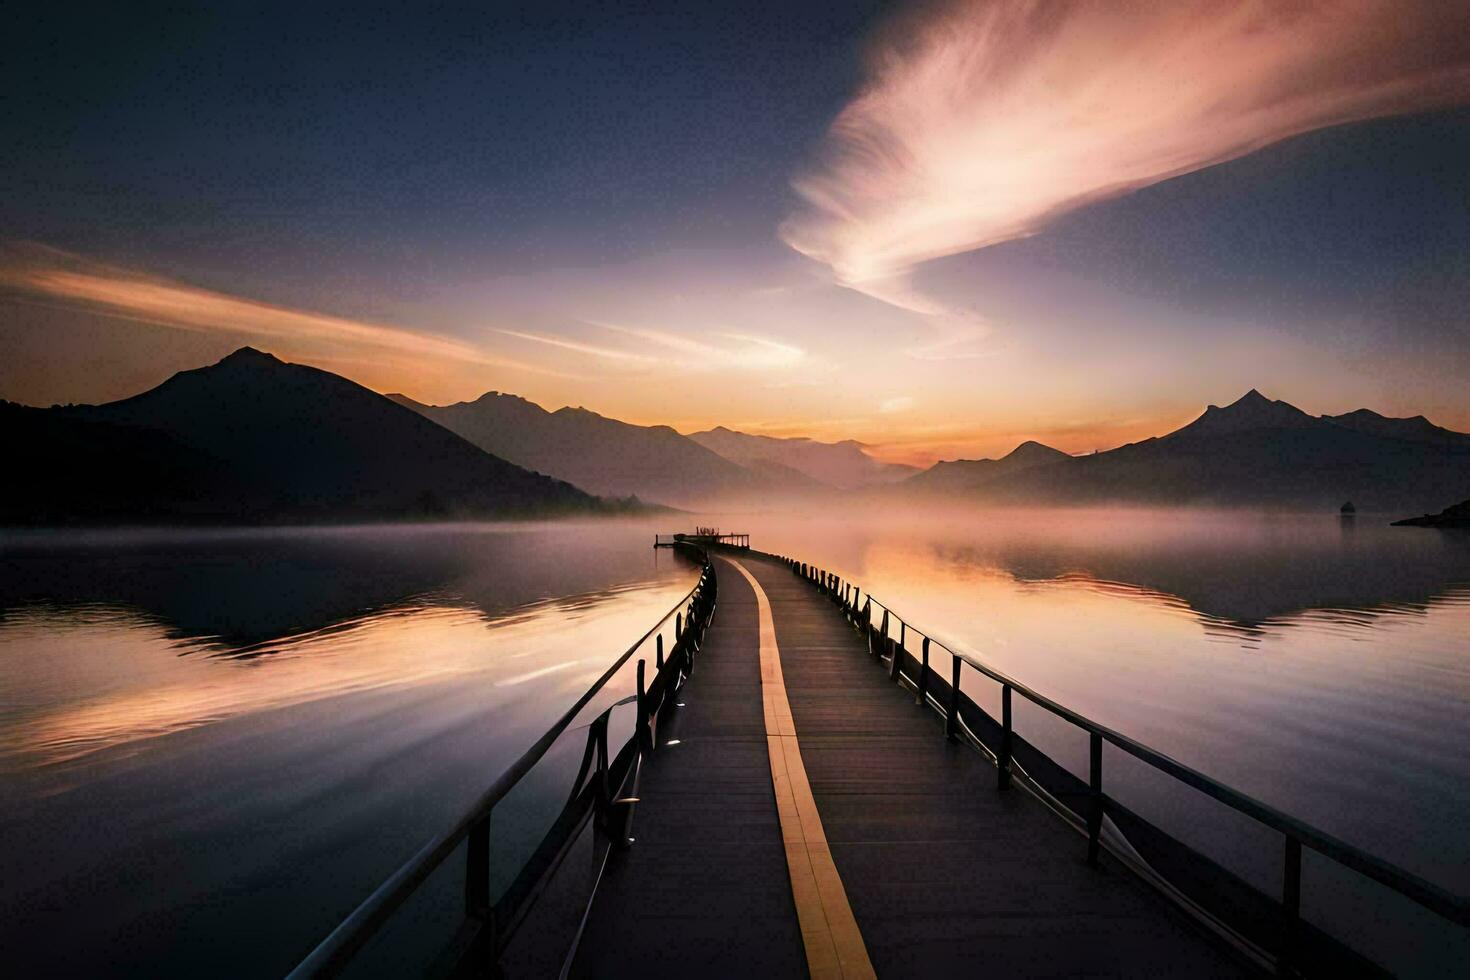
(946, 875)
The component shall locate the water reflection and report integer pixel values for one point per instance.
(208, 740)
(1240, 573)
(1321, 668)
(336, 612)
(240, 591)
(212, 747)
(131, 696)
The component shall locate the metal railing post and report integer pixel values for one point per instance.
(602, 791)
(658, 653)
(1291, 902)
(923, 694)
(893, 649)
(1095, 810)
(1003, 763)
(477, 904)
(477, 869)
(952, 719)
(645, 731)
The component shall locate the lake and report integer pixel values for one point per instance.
(1319, 664)
(214, 744)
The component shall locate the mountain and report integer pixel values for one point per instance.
(965, 475)
(253, 439)
(1253, 411)
(600, 454)
(1259, 452)
(1416, 429)
(844, 465)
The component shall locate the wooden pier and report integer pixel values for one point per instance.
(808, 789)
(943, 874)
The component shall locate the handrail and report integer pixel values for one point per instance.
(1433, 897)
(333, 952)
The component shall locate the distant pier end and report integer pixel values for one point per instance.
(704, 536)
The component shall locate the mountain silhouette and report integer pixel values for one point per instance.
(1258, 452)
(599, 454)
(253, 439)
(1252, 412)
(960, 475)
(1416, 429)
(844, 465)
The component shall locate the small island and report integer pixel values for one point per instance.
(1457, 515)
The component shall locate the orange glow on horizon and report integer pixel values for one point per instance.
(764, 387)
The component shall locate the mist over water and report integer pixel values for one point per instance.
(212, 745)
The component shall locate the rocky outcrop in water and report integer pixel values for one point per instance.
(1457, 515)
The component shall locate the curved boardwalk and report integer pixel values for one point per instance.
(943, 874)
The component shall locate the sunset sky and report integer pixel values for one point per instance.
(940, 228)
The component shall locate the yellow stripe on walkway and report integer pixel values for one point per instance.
(834, 946)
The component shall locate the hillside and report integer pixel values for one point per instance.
(1257, 452)
(1416, 429)
(844, 465)
(254, 439)
(599, 454)
(967, 475)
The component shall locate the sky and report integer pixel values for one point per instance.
(941, 228)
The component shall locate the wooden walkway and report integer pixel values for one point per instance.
(938, 873)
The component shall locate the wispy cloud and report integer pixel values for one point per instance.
(58, 278)
(741, 352)
(577, 346)
(982, 121)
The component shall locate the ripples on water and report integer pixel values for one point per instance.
(212, 746)
(84, 704)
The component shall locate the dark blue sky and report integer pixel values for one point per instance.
(421, 134)
(1369, 221)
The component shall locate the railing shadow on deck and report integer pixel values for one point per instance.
(604, 793)
(1269, 929)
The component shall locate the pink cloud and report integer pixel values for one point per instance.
(982, 121)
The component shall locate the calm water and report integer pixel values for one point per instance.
(1320, 666)
(211, 747)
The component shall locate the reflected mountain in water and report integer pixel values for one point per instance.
(241, 593)
(1242, 579)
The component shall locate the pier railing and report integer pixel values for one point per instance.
(702, 537)
(603, 792)
(1269, 927)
